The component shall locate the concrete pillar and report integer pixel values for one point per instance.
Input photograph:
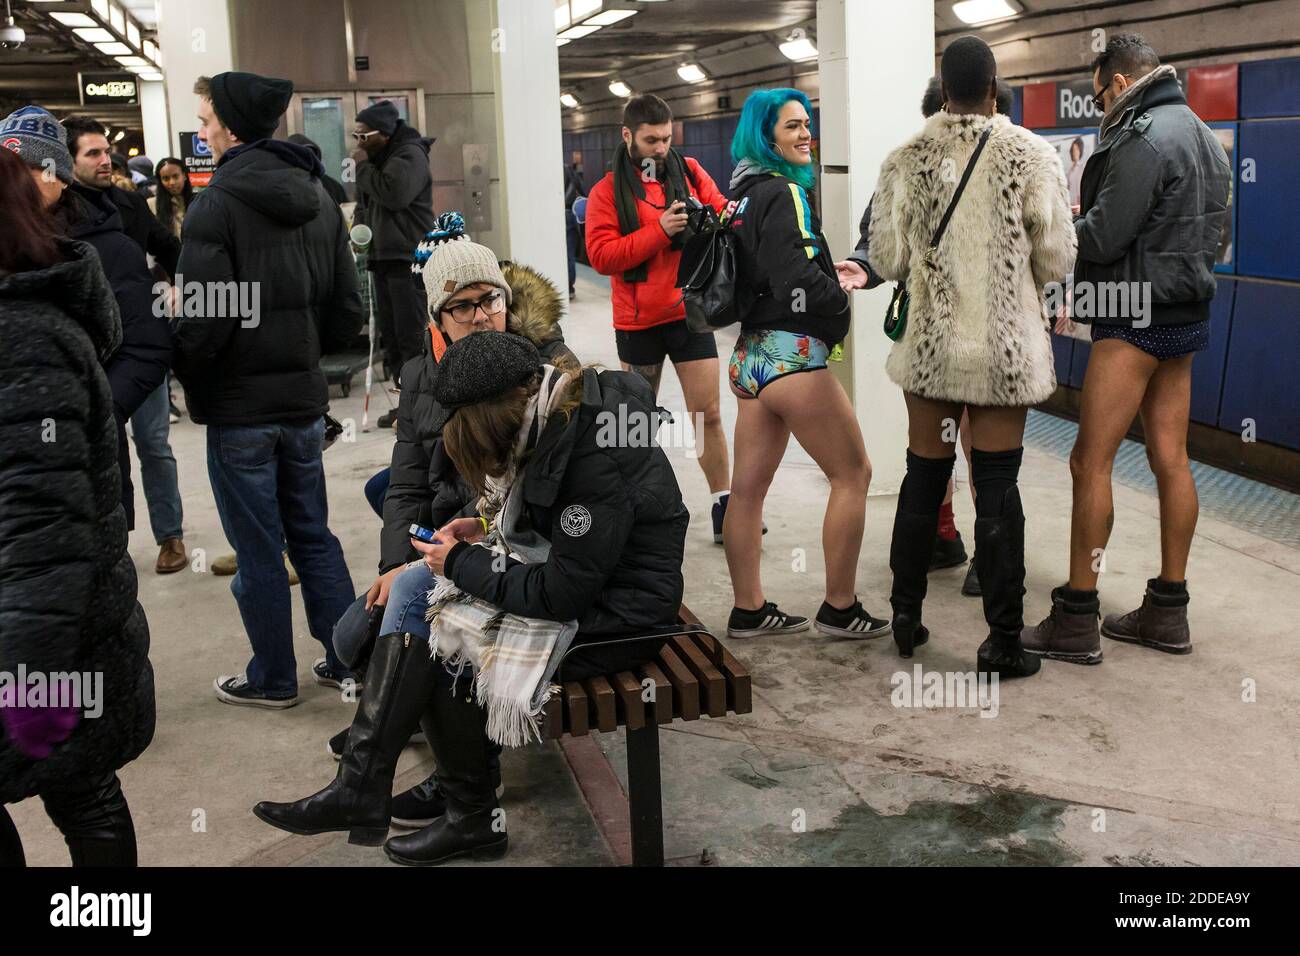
(875, 58)
(158, 140)
(195, 41)
(529, 161)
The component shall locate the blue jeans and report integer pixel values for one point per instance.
(150, 428)
(408, 601)
(269, 485)
(377, 490)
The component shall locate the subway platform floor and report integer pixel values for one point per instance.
(1146, 760)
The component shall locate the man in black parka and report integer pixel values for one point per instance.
(269, 284)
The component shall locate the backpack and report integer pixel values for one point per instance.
(709, 274)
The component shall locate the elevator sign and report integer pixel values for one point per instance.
(111, 88)
(198, 159)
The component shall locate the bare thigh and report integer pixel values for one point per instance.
(815, 408)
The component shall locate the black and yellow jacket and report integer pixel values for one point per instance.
(784, 258)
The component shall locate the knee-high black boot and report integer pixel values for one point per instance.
(1000, 557)
(95, 822)
(399, 681)
(11, 844)
(472, 824)
(915, 524)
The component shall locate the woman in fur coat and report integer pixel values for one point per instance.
(977, 333)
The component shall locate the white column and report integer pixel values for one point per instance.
(195, 41)
(528, 136)
(875, 58)
(158, 141)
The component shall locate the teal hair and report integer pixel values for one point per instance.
(754, 132)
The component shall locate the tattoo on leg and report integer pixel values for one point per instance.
(651, 373)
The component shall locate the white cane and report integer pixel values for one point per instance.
(361, 237)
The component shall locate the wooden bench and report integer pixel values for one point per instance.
(693, 676)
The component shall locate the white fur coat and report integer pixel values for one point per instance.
(978, 329)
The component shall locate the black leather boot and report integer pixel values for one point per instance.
(1000, 562)
(909, 559)
(398, 684)
(95, 822)
(472, 824)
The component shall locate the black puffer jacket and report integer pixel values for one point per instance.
(613, 513)
(265, 223)
(424, 487)
(67, 585)
(145, 229)
(1153, 201)
(395, 195)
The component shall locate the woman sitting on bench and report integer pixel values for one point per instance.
(594, 526)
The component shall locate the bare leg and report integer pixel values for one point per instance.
(761, 438)
(1165, 413)
(651, 373)
(700, 386)
(818, 412)
(966, 447)
(1113, 388)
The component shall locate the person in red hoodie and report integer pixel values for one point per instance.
(636, 225)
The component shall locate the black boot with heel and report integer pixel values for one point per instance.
(398, 684)
(916, 522)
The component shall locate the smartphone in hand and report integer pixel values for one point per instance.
(423, 534)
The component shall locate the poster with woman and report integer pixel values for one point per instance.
(1074, 146)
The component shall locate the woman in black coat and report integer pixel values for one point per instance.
(68, 609)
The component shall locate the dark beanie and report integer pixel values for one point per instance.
(483, 366)
(381, 116)
(248, 105)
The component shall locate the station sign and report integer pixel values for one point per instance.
(198, 159)
(122, 89)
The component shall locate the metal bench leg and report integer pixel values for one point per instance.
(644, 797)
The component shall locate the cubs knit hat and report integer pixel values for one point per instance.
(250, 105)
(448, 261)
(482, 366)
(39, 140)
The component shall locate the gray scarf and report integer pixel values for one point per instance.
(1130, 97)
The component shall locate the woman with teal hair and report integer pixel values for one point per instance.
(798, 317)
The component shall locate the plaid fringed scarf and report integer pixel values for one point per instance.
(513, 657)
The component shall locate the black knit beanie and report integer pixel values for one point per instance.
(482, 366)
(380, 116)
(249, 105)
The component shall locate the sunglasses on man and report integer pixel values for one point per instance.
(362, 137)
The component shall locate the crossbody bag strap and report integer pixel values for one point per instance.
(970, 166)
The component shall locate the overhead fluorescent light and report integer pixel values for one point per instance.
(799, 48)
(561, 17)
(691, 73)
(132, 34)
(620, 89)
(577, 33)
(112, 49)
(152, 75)
(73, 19)
(94, 34)
(134, 61)
(976, 12)
(559, 41)
(610, 16)
(569, 100)
(101, 8)
(151, 50)
(117, 17)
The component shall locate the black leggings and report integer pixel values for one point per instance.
(93, 818)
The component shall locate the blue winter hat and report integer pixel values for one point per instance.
(39, 140)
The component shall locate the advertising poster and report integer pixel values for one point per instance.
(1224, 260)
(197, 157)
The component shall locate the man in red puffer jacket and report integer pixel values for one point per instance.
(636, 222)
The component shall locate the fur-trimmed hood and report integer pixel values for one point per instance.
(535, 306)
(978, 330)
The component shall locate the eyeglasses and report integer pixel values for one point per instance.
(362, 137)
(1097, 100)
(494, 303)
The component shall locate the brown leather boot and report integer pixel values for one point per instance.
(1161, 622)
(171, 557)
(1069, 632)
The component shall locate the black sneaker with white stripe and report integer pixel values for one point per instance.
(850, 622)
(768, 619)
